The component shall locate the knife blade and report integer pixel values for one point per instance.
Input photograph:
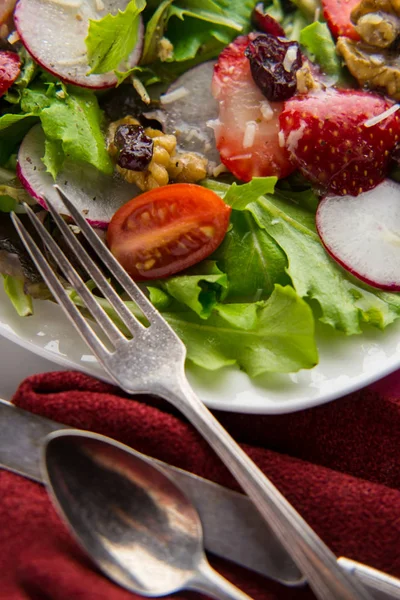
(232, 526)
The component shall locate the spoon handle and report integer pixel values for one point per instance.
(213, 584)
(308, 551)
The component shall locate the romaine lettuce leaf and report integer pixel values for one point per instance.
(110, 40)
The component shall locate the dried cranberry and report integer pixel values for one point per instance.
(265, 23)
(274, 63)
(135, 147)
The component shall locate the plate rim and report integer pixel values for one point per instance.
(289, 406)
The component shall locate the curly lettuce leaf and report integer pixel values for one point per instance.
(110, 40)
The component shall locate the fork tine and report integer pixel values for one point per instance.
(93, 270)
(76, 281)
(130, 287)
(59, 293)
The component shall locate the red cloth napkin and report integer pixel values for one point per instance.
(338, 464)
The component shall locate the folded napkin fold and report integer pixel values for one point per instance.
(338, 464)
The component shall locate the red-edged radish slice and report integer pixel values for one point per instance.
(362, 233)
(54, 33)
(98, 196)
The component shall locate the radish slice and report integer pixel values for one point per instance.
(187, 107)
(54, 33)
(362, 233)
(98, 196)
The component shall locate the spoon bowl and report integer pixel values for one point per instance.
(133, 521)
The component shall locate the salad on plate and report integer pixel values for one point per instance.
(239, 158)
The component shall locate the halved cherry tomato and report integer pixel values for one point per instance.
(10, 65)
(167, 229)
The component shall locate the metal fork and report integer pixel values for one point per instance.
(152, 362)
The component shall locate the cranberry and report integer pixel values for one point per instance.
(135, 147)
(265, 23)
(273, 70)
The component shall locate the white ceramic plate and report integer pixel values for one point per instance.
(346, 364)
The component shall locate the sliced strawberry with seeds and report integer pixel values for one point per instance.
(332, 141)
(10, 66)
(247, 129)
(338, 15)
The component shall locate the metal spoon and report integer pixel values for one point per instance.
(134, 522)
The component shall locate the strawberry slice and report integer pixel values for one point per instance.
(10, 66)
(338, 15)
(246, 132)
(333, 140)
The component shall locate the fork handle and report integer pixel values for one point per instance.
(309, 552)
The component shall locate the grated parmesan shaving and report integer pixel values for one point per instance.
(177, 94)
(241, 157)
(266, 110)
(378, 118)
(99, 5)
(13, 38)
(219, 169)
(290, 57)
(213, 123)
(294, 137)
(317, 13)
(249, 134)
(281, 139)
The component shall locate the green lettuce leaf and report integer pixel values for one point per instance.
(14, 289)
(239, 196)
(72, 125)
(317, 40)
(276, 335)
(252, 259)
(154, 33)
(198, 30)
(200, 291)
(110, 40)
(13, 128)
(343, 302)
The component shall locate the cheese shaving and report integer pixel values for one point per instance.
(13, 38)
(378, 118)
(175, 95)
(289, 59)
(249, 134)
